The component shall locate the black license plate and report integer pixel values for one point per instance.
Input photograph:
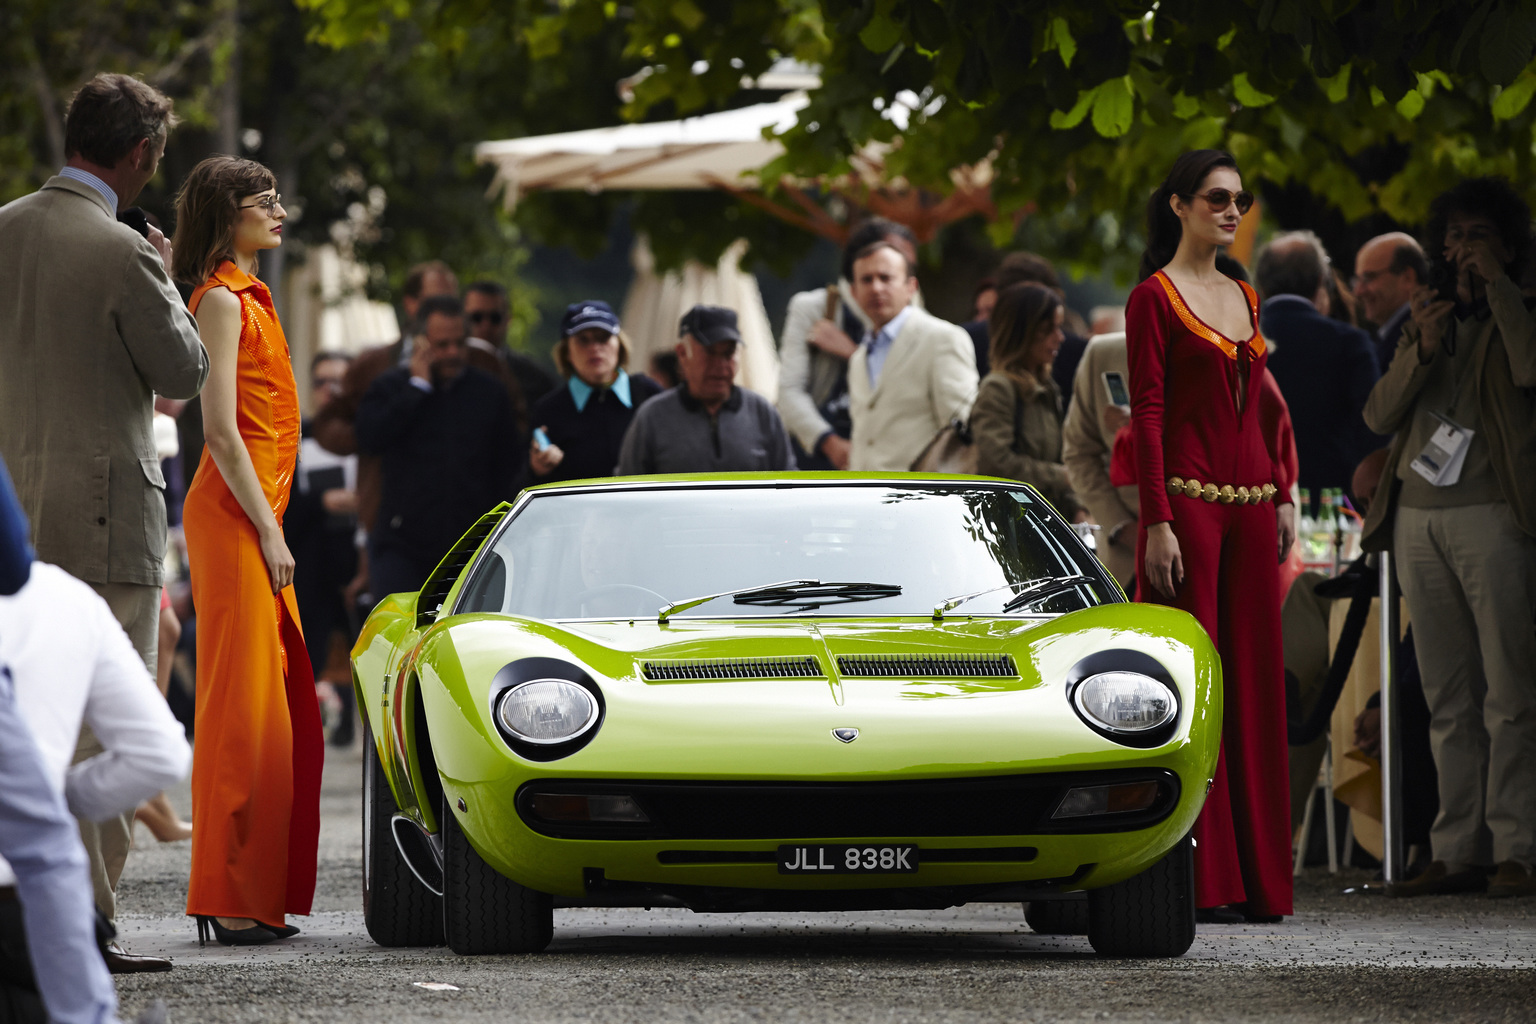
(847, 859)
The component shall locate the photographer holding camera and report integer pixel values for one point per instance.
(1460, 517)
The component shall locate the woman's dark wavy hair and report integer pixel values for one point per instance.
(1022, 312)
(1163, 227)
(207, 211)
(1491, 197)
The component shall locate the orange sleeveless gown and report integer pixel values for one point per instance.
(258, 749)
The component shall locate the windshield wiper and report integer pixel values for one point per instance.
(1033, 592)
(789, 592)
(1047, 589)
(814, 594)
(667, 611)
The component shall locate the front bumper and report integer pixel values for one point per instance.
(691, 853)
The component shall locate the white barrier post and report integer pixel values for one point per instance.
(1391, 748)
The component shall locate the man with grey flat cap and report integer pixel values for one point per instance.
(706, 424)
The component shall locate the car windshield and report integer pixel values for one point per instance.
(605, 554)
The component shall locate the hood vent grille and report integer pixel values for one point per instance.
(733, 668)
(927, 666)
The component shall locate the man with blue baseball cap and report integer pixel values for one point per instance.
(706, 424)
(578, 428)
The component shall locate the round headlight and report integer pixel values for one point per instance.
(1127, 702)
(547, 711)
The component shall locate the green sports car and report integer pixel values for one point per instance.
(780, 692)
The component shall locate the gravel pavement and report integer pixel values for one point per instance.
(1341, 958)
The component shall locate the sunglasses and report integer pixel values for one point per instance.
(480, 317)
(268, 203)
(1221, 198)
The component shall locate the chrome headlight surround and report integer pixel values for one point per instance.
(559, 680)
(1131, 669)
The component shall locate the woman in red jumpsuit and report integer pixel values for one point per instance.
(1212, 530)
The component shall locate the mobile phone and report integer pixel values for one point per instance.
(1114, 384)
(134, 218)
(540, 439)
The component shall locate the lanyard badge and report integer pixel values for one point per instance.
(1442, 458)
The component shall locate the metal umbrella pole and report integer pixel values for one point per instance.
(1391, 745)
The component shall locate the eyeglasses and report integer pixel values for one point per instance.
(1221, 198)
(1470, 232)
(329, 382)
(485, 317)
(268, 203)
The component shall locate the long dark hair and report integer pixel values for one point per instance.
(207, 210)
(1163, 227)
(1022, 312)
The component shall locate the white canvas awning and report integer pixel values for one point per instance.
(694, 153)
(656, 303)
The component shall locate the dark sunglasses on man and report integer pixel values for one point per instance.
(1220, 198)
(486, 316)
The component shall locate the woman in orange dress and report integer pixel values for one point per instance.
(259, 748)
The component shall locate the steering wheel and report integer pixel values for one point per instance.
(594, 593)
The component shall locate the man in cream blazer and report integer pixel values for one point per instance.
(820, 336)
(912, 372)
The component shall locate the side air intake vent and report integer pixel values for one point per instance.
(926, 666)
(435, 591)
(733, 668)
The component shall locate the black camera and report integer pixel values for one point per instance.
(1442, 279)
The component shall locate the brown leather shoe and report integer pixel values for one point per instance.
(1512, 879)
(1436, 880)
(119, 961)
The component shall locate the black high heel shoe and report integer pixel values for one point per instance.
(256, 935)
(282, 931)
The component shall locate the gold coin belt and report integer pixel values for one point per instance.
(1224, 493)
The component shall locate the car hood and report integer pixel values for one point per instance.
(680, 638)
(912, 686)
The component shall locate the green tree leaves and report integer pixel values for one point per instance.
(1078, 105)
(1512, 100)
(1508, 36)
(1114, 104)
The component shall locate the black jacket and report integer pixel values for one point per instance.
(1325, 369)
(589, 437)
(448, 455)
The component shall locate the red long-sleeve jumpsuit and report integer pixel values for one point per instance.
(1188, 423)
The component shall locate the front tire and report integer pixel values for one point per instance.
(397, 909)
(1149, 915)
(484, 911)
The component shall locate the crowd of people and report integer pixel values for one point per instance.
(1188, 438)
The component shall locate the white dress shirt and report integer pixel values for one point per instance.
(879, 343)
(71, 662)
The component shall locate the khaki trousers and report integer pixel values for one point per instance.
(1469, 577)
(137, 609)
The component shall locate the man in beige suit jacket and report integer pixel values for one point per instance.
(90, 330)
(912, 373)
(1087, 440)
